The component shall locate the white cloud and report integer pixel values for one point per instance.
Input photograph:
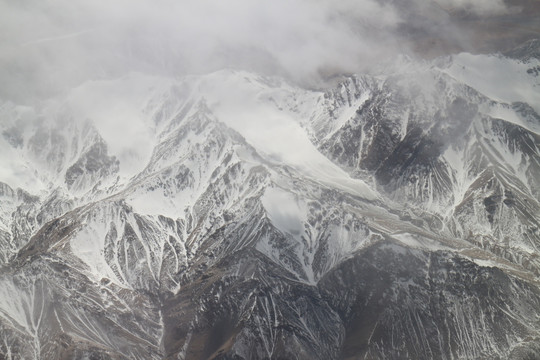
(49, 45)
(65, 42)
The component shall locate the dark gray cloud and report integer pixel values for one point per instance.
(480, 8)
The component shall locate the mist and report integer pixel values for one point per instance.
(49, 46)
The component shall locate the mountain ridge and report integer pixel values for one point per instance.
(392, 216)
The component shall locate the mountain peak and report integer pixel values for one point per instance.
(233, 215)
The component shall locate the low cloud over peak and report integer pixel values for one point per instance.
(64, 43)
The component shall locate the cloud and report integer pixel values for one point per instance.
(482, 8)
(50, 45)
(65, 42)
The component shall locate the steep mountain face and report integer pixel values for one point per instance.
(233, 216)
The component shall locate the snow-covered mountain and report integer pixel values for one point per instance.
(236, 216)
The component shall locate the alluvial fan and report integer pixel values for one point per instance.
(236, 216)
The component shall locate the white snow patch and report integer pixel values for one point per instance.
(288, 214)
(88, 245)
(499, 111)
(239, 101)
(11, 304)
(15, 169)
(456, 161)
(415, 241)
(485, 262)
(116, 108)
(18, 172)
(348, 113)
(497, 77)
(155, 203)
(285, 210)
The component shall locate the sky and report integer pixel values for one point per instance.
(47, 46)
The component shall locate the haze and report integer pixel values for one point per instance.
(49, 46)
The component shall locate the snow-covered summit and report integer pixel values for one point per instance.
(140, 216)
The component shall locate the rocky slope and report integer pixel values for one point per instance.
(234, 216)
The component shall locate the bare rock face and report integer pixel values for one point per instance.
(392, 217)
(94, 163)
(527, 51)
